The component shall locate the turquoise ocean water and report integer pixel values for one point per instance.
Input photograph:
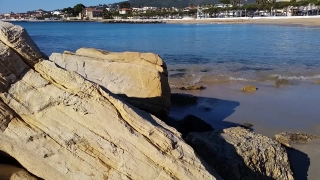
(197, 53)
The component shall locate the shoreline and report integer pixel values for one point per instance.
(293, 20)
(312, 21)
(271, 111)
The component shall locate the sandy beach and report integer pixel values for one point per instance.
(271, 110)
(297, 20)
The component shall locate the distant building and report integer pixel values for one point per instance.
(92, 13)
(58, 13)
(124, 11)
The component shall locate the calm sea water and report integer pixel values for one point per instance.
(196, 53)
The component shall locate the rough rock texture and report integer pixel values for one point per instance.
(280, 82)
(140, 78)
(183, 99)
(18, 39)
(288, 138)
(9, 172)
(237, 153)
(60, 126)
(249, 88)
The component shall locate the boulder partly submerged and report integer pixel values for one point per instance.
(58, 125)
(237, 154)
(140, 78)
(288, 138)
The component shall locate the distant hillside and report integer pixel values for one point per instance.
(176, 3)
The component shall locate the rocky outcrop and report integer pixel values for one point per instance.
(280, 82)
(250, 88)
(58, 125)
(140, 78)
(317, 82)
(237, 153)
(288, 138)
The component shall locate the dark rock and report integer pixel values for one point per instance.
(239, 154)
(192, 123)
(288, 138)
(195, 87)
(247, 125)
(183, 99)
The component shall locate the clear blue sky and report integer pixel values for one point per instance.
(6, 6)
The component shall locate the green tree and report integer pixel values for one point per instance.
(78, 9)
(68, 11)
(125, 4)
(107, 14)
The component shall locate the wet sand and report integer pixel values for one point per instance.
(271, 110)
(304, 21)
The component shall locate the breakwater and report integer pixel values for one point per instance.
(136, 21)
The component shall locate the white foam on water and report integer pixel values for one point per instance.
(239, 79)
(299, 77)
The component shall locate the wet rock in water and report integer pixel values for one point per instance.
(317, 82)
(195, 87)
(183, 99)
(249, 88)
(192, 123)
(238, 154)
(10, 172)
(287, 138)
(247, 125)
(280, 82)
(204, 70)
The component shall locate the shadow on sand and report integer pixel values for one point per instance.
(212, 110)
(299, 163)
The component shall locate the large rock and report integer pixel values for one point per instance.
(60, 126)
(237, 153)
(18, 39)
(140, 78)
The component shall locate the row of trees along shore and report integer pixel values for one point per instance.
(208, 8)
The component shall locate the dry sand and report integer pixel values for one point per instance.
(271, 110)
(304, 21)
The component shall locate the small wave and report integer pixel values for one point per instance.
(276, 76)
(239, 79)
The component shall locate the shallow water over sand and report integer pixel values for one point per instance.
(197, 53)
